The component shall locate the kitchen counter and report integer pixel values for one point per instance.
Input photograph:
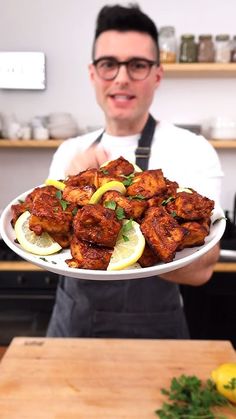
(99, 378)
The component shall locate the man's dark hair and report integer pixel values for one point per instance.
(124, 19)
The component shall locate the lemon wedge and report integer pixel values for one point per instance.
(42, 245)
(113, 185)
(129, 247)
(57, 183)
(136, 168)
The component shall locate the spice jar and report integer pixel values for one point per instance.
(222, 49)
(188, 49)
(233, 50)
(167, 44)
(206, 53)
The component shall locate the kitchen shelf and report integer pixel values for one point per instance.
(30, 143)
(217, 143)
(209, 70)
(26, 266)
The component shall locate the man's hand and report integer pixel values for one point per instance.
(94, 156)
(196, 273)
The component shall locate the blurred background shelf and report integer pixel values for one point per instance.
(209, 70)
(217, 143)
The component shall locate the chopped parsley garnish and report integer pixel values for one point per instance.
(173, 214)
(126, 227)
(63, 203)
(139, 197)
(128, 180)
(104, 171)
(110, 204)
(74, 211)
(120, 213)
(166, 201)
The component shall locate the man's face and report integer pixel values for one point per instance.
(123, 100)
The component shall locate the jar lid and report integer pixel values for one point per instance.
(167, 30)
(222, 37)
(205, 36)
(187, 36)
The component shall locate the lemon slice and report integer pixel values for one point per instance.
(57, 183)
(113, 185)
(184, 190)
(136, 168)
(127, 252)
(42, 245)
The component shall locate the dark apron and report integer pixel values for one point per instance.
(137, 308)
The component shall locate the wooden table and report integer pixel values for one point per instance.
(99, 378)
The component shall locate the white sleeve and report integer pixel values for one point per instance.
(60, 160)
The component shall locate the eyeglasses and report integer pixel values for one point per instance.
(138, 68)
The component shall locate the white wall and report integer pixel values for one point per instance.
(63, 29)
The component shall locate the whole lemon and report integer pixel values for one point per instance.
(225, 379)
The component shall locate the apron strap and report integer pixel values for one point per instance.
(142, 152)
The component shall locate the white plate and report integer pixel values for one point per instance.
(56, 263)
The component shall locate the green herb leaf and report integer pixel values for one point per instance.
(128, 180)
(189, 398)
(138, 197)
(104, 171)
(125, 238)
(21, 201)
(64, 204)
(74, 211)
(44, 259)
(110, 205)
(120, 213)
(166, 201)
(59, 195)
(231, 384)
(127, 226)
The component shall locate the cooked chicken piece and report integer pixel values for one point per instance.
(88, 256)
(171, 187)
(88, 177)
(79, 195)
(48, 215)
(162, 233)
(97, 225)
(148, 258)
(133, 208)
(190, 206)
(62, 239)
(118, 167)
(148, 184)
(196, 233)
(166, 196)
(18, 209)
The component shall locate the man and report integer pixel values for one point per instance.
(125, 73)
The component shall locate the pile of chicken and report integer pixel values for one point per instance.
(170, 220)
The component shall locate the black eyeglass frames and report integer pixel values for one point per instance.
(138, 68)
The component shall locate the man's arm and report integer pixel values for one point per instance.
(196, 273)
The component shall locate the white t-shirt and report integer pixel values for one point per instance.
(184, 157)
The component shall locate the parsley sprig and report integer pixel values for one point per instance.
(189, 398)
(128, 180)
(64, 204)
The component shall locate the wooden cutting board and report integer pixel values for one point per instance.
(99, 378)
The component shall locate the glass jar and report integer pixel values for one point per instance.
(233, 50)
(222, 49)
(188, 49)
(167, 44)
(206, 51)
